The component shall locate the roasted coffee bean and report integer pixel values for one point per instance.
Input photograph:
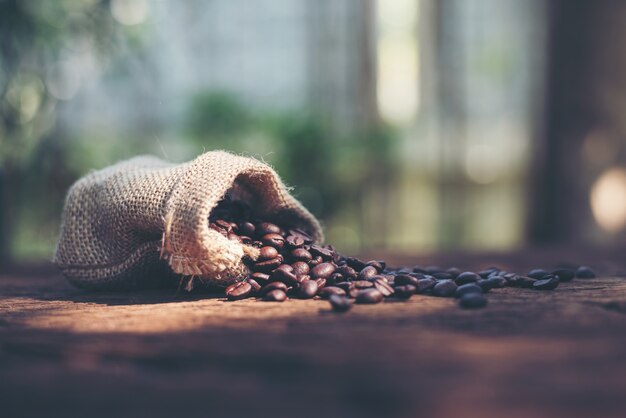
(466, 277)
(256, 287)
(325, 253)
(317, 260)
(584, 272)
(444, 288)
(340, 303)
(302, 234)
(537, 274)
(402, 279)
(320, 283)
(353, 292)
(247, 228)
(363, 284)
(300, 267)
(294, 241)
(369, 296)
(323, 270)
(496, 282)
(404, 291)
(564, 275)
(303, 278)
(424, 285)
(273, 286)
(347, 286)
(234, 237)
(383, 287)
(274, 240)
(467, 288)
(367, 272)
(308, 289)
(239, 290)
(473, 301)
(403, 271)
(300, 254)
(267, 253)
(377, 264)
(262, 278)
(355, 263)
(268, 265)
(433, 269)
(526, 282)
(331, 290)
(549, 282)
(276, 295)
(454, 272)
(513, 280)
(284, 275)
(419, 269)
(443, 276)
(346, 271)
(336, 277)
(488, 272)
(485, 284)
(265, 228)
(224, 224)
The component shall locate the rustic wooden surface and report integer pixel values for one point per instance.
(64, 352)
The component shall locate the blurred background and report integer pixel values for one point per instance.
(405, 125)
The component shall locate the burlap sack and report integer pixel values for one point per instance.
(143, 222)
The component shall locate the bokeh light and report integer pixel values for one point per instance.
(608, 200)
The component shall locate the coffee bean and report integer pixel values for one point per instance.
(265, 228)
(347, 286)
(256, 287)
(234, 237)
(316, 261)
(425, 285)
(267, 253)
(404, 291)
(300, 267)
(320, 283)
(402, 279)
(276, 295)
(273, 286)
(444, 288)
(454, 272)
(368, 271)
(284, 274)
(383, 287)
(247, 228)
(443, 276)
(526, 282)
(336, 277)
(346, 271)
(487, 272)
(537, 274)
(419, 269)
(584, 272)
(369, 296)
(302, 234)
(268, 265)
(308, 289)
(239, 290)
(484, 284)
(466, 277)
(378, 265)
(294, 241)
(467, 288)
(261, 278)
(564, 275)
(496, 282)
(300, 254)
(473, 301)
(325, 253)
(432, 269)
(362, 284)
(323, 270)
(549, 282)
(331, 290)
(355, 263)
(340, 303)
(353, 292)
(273, 240)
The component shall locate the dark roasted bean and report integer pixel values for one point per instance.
(336, 277)
(268, 265)
(274, 240)
(347, 286)
(260, 277)
(267, 253)
(443, 276)
(325, 253)
(454, 272)
(346, 271)
(485, 284)
(308, 289)
(419, 269)
(239, 290)
(352, 292)
(303, 278)
(273, 286)
(402, 279)
(276, 295)
(317, 260)
(564, 275)
(320, 283)
(256, 287)
(355, 263)
(300, 267)
(300, 254)
(298, 232)
(331, 290)
(367, 272)
(488, 272)
(234, 237)
(340, 303)
(362, 284)
(467, 288)
(425, 285)
(265, 228)
(323, 270)
(294, 240)
(284, 274)
(404, 291)
(444, 288)
(378, 265)
(433, 269)
(466, 277)
(383, 287)
(369, 296)
(496, 282)
(247, 228)
(584, 272)
(473, 301)
(526, 282)
(537, 274)
(549, 282)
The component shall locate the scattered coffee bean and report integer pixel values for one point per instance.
(362, 284)
(473, 301)
(404, 291)
(549, 282)
(466, 289)
(308, 289)
(340, 303)
(367, 272)
(466, 277)
(276, 295)
(323, 270)
(425, 285)
(496, 282)
(274, 286)
(369, 296)
(383, 287)
(325, 292)
(564, 275)
(239, 290)
(585, 272)
(267, 253)
(537, 274)
(444, 288)
(402, 279)
(300, 267)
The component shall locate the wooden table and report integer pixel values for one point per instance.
(64, 352)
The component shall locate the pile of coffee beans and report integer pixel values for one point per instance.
(291, 265)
